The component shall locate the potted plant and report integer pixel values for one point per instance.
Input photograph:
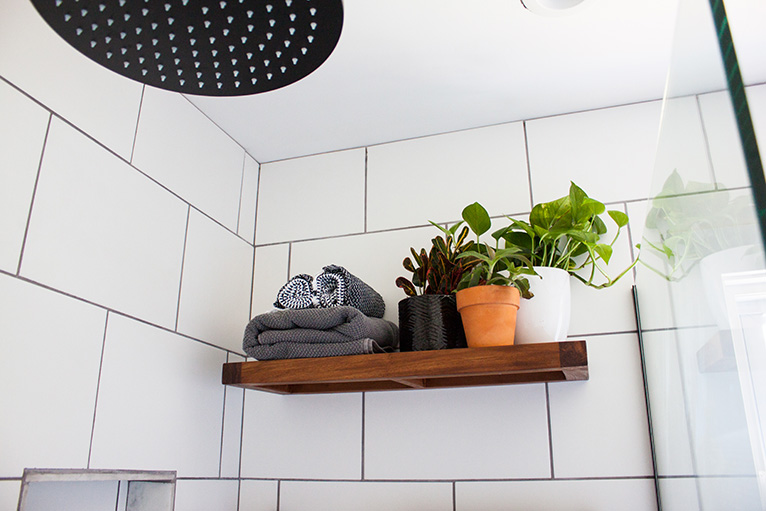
(428, 317)
(703, 230)
(488, 295)
(562, 238)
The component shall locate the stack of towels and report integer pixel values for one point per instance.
(330, 315)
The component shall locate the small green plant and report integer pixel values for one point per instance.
(566, 233)
(439, 270)
(493, 265)
(688, 221)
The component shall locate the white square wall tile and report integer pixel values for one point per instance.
(472, 433)
(181, 148)
(22, 133)
(102, 231)
(311, 197)
(756, 101)
(669, 414)
(257, 495)
(160, 402)
(216, 284)
(609, 153)
(723, 139)
(375, 258)
(302, 436)
(603, 495)
(247, 202)
(50, 351)
(202, 495)
(599, 427)
(681, 146)
(269, 275)
(9, 494)
(434, 178)
(98, 101)
(232, 426)
(352, 496)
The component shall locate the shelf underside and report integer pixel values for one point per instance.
(468, 367)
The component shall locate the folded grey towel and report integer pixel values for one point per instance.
(333, 287)
(297, 333)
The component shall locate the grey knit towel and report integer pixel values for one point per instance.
(303, 333)
(333, 287)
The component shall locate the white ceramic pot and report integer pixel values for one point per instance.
(545, 316)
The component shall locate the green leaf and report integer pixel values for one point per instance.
(407, 286)
(599, 227)
(477, 218)
(407, 263)
(605, 251)
(620, 218)
(461, 238)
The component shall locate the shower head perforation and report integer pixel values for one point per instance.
(212, 40)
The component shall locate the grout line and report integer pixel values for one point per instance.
(529, 165)
(115, 311)
(223, 427)
(34, 194)
(98, 388)
(482, 480)
(138, 119)
(241, 190)
(706, 139)
(364, 406)
(241, 436)
(411, 227)
(365, 188)
(289, 259)
(550, 428)
(183, 262)
(257, 196)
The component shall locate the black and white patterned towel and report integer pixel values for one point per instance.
(295, 333)
(334, 287)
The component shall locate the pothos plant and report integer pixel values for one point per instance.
(439, 270)
(493, 265)
(688, 221)
(566, 233)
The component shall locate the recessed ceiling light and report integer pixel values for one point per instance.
(551, 7)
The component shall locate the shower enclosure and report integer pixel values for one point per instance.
(701, 284)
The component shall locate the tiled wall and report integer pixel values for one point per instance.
(126, 276)
(127, 222)
(547, 447)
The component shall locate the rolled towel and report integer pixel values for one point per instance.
(336, 286)
(341, 330)
(298, 293)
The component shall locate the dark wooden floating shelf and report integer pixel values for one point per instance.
(467, 367)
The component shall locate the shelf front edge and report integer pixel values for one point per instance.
(567, 357)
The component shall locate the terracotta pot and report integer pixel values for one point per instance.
(489, 314)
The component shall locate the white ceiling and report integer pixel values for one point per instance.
(411, 68)
(408, 68)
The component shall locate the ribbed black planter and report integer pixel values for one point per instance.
(430, 322)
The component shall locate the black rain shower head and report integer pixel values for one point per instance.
(204, 47)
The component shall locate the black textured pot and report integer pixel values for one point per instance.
(430, 322)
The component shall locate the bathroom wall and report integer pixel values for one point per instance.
(130, 261)
(126, 261)
(540, 446)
